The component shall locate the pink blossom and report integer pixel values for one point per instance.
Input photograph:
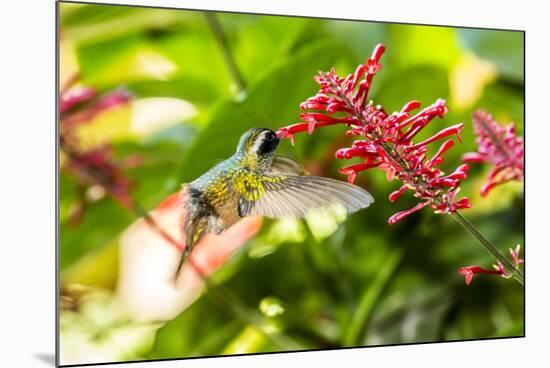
(499, 146)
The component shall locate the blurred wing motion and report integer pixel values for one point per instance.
(291, 195)
(284, 165)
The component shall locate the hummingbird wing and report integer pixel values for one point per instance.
(293, 195)
(285, 165)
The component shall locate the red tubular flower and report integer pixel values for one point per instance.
(387, 138)
(469, 271)
(498, 269)
(497, 145)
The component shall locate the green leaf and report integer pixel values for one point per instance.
(199, 59)
(261, 42)
(272, 102)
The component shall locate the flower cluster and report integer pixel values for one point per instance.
(97, 167)
(81, 104)
(387, 138)
(94, 167)
(498, 269)
(497, 145)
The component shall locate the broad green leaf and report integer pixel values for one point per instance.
(272, 102)
(262, 42)
(199, 58)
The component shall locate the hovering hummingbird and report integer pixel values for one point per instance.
(256, 182)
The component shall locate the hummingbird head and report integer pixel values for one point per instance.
(258, 145)
(258, 141)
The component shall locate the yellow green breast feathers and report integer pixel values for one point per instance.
(248, 184)
(218, 191)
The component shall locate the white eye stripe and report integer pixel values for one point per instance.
(258, 142)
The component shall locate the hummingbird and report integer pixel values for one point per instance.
(256, 182)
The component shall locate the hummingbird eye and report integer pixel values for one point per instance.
(270, 137)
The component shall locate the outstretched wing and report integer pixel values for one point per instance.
(293, 195)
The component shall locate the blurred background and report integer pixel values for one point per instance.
(152, 98)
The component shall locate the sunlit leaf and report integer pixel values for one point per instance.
(153, 114)
(423, 45)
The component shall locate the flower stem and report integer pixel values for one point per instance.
(221, 39)
(466, 224)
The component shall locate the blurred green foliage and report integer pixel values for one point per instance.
(367, 283)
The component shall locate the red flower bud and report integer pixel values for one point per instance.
(401, 215)
(398, 193)
(463, 203)
(455, 129)
(469, 271)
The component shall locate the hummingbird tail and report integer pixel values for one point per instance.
(183, 260)
(192, 238)
(195, 227)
